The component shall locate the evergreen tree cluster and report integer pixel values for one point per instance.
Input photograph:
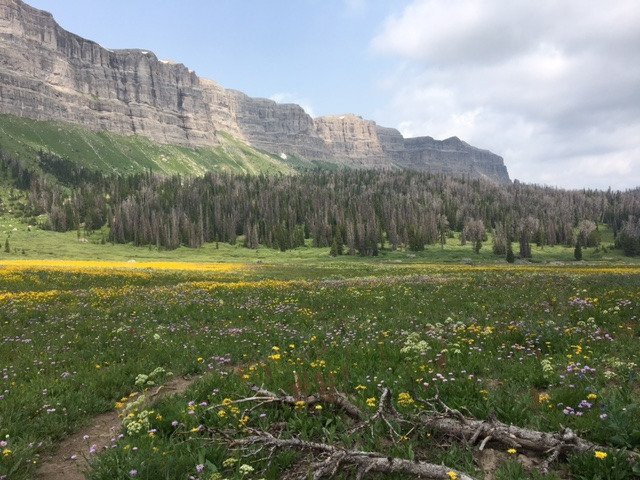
(351, 211)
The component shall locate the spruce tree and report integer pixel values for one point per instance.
(334, 248)
(577, 253)
(510, 256)
(339, 242)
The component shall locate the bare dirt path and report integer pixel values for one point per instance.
(69, 460)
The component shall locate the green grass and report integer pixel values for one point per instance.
(75, 342)
(110, 152)
(37, 243)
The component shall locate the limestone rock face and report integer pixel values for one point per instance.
(47, 73)
(278, 128)
(352, 140)
(451, 156)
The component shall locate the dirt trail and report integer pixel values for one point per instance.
(69, 460)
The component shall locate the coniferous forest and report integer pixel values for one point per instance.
(352, 211)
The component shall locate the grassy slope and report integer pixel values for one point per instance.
(127, 154)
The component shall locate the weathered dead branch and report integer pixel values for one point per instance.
(334, 398)
(451, 424)
(336, 457)
(438, 418)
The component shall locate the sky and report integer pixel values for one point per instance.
(553, 86)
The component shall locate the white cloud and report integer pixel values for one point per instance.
(553, 86)
(287, 97)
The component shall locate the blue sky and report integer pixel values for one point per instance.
(550, 85)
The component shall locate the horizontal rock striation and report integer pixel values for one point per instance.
(451, 156)
(48, 73)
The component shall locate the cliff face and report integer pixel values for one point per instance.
(47, 73)
(451, 156)
(352, 140)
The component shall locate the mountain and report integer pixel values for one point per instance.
(50, 74)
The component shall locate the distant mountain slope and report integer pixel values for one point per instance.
(111, 152)
(47, 73)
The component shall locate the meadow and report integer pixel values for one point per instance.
(542, 346)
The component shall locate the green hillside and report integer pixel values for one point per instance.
(110, 152)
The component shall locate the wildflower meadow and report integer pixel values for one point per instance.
(290, 371)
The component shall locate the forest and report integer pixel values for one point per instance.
(351, 211)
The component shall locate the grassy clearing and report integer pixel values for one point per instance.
(509, 341)
(30, 242)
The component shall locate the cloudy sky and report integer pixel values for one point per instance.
(552, 85)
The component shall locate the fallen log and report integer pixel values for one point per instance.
(444, 421)
(364, 462)
(470, 430)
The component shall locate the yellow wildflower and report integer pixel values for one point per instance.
(600, 455)
(226, 402)
(544, 397)
(300, 404)
(371, 402)
(6, 452)
(512, 451)
(452, 475)
(592, 396)
(360, 388)
(404, 399)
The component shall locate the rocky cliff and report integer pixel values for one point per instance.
(47, 73)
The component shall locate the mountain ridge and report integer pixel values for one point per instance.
(48, 73)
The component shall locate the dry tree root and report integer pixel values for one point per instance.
(364, 462)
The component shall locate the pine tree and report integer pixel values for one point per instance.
(510, 256)
(443, 229)
(415, 240)
(334, 248)
(525, 247)
(339, 243)
(577, 253)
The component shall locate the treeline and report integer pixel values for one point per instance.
(351, 211)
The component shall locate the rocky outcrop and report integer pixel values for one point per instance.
(351, 139)
(451, 156)
(47, 73)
